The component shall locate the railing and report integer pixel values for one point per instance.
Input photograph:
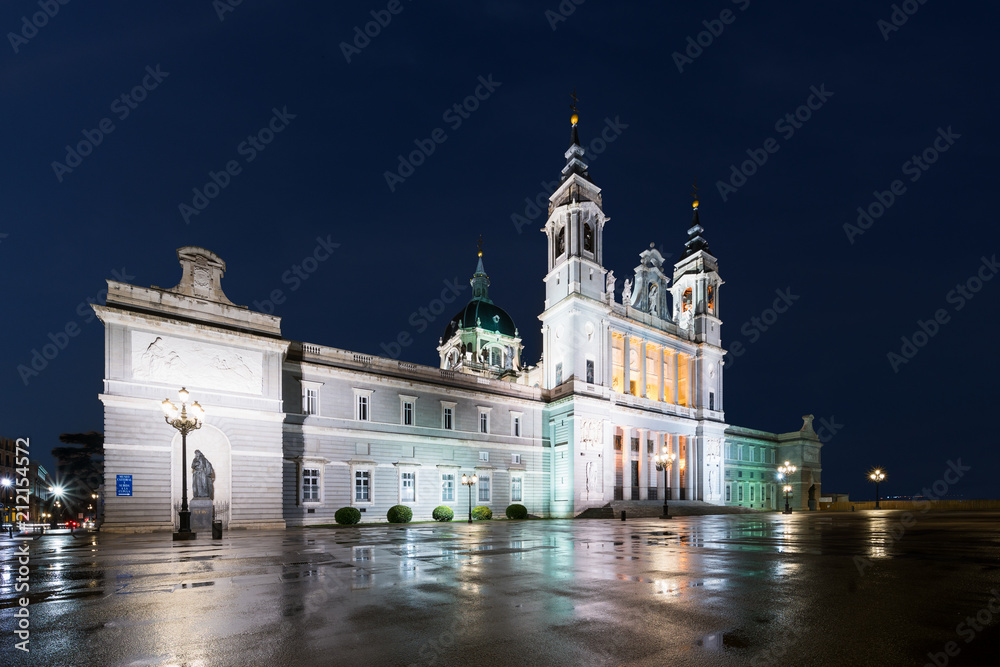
(635, 493)
(652, 493)
(311, 349)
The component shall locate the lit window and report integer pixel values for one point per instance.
(484, 488)
(515, 489)
(310, 484)
(362, 486)
(447, 487)
(407, 487)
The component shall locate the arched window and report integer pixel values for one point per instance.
(494, 356)
(561, 241)
(588, 238)
(711, 299)
(686, 300)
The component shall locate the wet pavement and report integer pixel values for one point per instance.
(865, 588)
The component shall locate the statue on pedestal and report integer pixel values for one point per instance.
(202, 476)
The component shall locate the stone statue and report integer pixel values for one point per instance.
(609, 284)
(653, 294)
(627, 292)
(508, 358)
(202, 476)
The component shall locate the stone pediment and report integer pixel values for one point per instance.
(201, 275)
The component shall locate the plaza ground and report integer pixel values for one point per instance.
(857, 588)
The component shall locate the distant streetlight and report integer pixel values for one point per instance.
(8, 484)
(185, 421)
(786, 471)
(469, 481)
(876, 476)
(663, 462)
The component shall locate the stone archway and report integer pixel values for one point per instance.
(215, 445)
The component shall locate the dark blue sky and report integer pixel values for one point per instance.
(323, 176)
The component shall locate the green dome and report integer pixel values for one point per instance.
(488, 315)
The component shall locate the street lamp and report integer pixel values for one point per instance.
(663, 461)
(7, 484)
(469, 481)
(185, 421)
(786, 471)
(876, 476)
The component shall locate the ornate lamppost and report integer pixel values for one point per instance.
(786, 471)
(184, 420)
(876, 476)
(663, 461)
(469, 482)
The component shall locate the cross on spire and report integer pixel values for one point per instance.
(575, 100)
(480, 245)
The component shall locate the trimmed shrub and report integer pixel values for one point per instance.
(517, 512)
(443, 513)
(482, 513)
(399, 514)
(345, 516)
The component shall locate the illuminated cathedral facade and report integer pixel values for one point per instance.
(626, 402)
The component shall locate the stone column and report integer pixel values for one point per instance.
(626, 367)
(642, 368)
(663, 379)
(675, 470)
(626, 463)
(643, 465)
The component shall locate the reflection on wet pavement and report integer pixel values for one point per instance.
(702, 590)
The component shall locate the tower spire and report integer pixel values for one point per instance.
(574, 154)
(480, 281)
(695, 240)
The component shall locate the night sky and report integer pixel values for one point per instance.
(211, 76)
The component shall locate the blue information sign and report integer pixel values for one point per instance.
(124, 485)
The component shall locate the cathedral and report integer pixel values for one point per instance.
(626, 402)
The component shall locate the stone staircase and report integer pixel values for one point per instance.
(638, 509)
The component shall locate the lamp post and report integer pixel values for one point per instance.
(876, 476)
(469, 481)
(185, 421)
(786, 471)
(56, 491)
(663, 460)
(7, 487)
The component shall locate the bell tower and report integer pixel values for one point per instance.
(576, 294)
(575, 230)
